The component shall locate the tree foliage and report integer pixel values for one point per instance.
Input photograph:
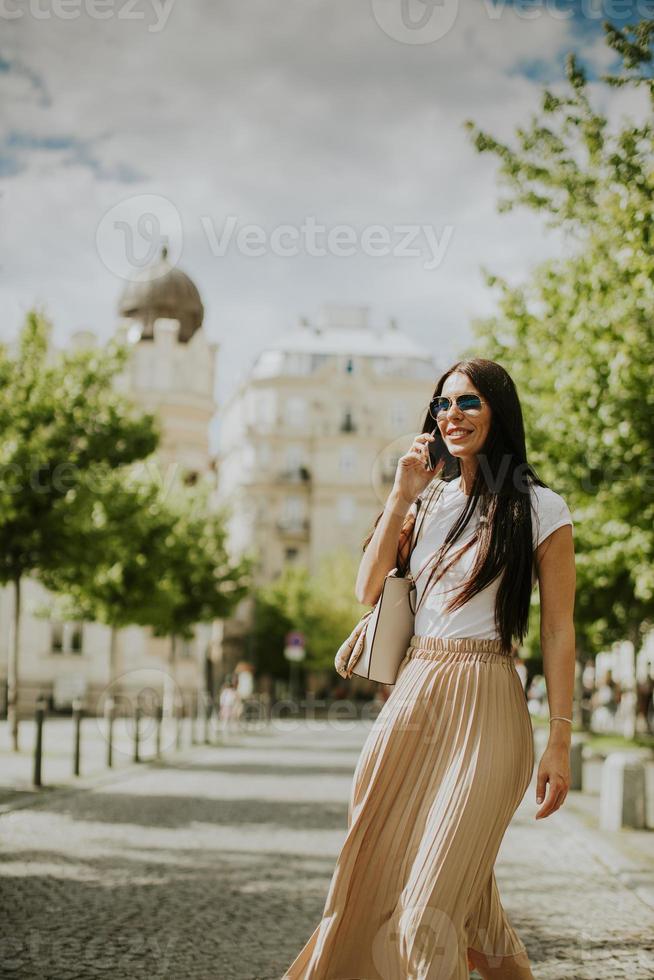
(323, 607)
(578, 336)
(61, 419)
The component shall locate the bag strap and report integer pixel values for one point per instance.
(414, 537)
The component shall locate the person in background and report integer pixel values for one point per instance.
(588, 686)
(536, 694)
(230, 705)
(605, 704)
(521, 667)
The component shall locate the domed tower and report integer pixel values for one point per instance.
(163, 291)
(172, 368)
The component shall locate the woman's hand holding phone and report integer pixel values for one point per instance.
(418, 467)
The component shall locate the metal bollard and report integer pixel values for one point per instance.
(159, 724)
(207, 718)
(109, 713)
(178, 725)
(622, 794)
(77, 725)
(193, 715)
(137, 732)
(576, 763)
(39, 716)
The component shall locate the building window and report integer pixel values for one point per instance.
(293, 509)
(296, 412)
(291, 554)
(66, 637)
(296, 363)
(263, 454)
(57, 637)
(346, 509)
(293, 458)
(347, 422)
(398, 416)
(347, 460)
(75, 637)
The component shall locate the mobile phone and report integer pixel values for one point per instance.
(436, 449)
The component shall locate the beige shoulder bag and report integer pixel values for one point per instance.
(390, 626)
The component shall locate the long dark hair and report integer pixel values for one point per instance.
(501, 491)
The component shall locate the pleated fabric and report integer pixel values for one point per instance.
(445, 765)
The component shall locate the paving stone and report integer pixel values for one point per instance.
(216, 867)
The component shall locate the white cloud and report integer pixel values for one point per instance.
(271, 111)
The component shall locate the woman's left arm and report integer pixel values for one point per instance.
(555, 563)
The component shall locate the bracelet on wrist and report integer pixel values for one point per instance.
(560, 718)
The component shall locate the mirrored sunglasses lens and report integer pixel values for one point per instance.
(438, 405)
(469, 403)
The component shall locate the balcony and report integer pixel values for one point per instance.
(295, 474)
(293, 527)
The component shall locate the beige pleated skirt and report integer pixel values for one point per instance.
(445, 765)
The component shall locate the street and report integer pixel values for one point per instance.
(216, 866)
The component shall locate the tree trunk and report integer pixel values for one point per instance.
(13, 667)
(113, 657)
(577, 714)
(170, 680)
(631, 696)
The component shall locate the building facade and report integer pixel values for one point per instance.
(309, 442)
(170, 372)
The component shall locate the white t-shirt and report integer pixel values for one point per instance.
(477, 617)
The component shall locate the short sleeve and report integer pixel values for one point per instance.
(549, 512)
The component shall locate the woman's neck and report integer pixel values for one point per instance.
(467, 477)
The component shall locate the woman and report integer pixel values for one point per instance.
(450, 756)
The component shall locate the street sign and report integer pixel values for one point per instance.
(294, 653)
(294, 648)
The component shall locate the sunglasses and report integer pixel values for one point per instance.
(469, 403)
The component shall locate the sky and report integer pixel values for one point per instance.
(239, 130)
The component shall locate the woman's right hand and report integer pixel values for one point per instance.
(413, 473)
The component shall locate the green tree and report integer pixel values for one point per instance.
(323, 607)
(206, 583)
(578, 335)
(61, 417)
(280, 606)
(333, 609)
(148, 561)
(122, 577)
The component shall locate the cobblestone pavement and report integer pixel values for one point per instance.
(216, 866)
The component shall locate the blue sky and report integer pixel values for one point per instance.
(273, 114)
